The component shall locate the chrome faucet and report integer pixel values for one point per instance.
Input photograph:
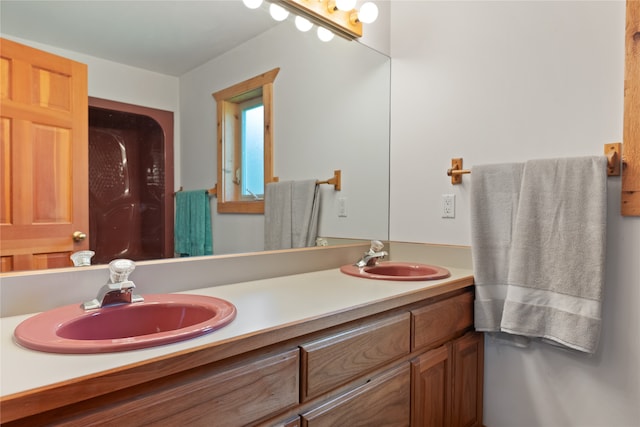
(119, 289)
(374, 254)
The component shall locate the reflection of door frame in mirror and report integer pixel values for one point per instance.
(227, 100)
(166, 121)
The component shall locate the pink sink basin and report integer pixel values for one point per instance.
(160, 319)
(392, 270)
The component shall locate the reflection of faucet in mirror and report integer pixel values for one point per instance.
(374, 254)
(82, 258)
(119, 289)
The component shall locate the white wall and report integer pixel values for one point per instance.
(497, 82)
(331, 111)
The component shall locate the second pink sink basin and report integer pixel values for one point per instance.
(160, 319)
(393, 270)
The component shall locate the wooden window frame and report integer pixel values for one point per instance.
(227, 101)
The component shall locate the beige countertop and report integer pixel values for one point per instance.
(292, 303)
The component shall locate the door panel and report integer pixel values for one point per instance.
(44, 158)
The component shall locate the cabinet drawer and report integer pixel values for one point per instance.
(230, 397)
(383, 401)
(334, 360)
(439, 321)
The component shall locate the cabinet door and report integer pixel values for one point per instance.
(383, 401)
(431, 388)
(468, 367)
(447, 384)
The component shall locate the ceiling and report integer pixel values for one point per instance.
(169, 37)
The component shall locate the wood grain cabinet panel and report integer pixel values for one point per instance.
(383, 401)
(431, 388)
(232, 397)
(447, 384)
(440, 321)
(336, 359)
(468, 377)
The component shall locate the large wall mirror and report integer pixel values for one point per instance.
(331, 100)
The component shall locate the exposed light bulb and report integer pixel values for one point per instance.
(324, 34)
(345, 5)
(277, 12)
(368, 13)
(303, 24)
(252, 4)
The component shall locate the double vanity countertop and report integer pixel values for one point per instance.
(268, 311)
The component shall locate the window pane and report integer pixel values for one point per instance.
(253, 151)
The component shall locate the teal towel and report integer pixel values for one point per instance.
(193, 224)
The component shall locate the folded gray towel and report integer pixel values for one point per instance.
(494, 202)
(277, 215)
(305, 202)
(557, 262)
(291, 214)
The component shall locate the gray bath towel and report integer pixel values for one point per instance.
(494, 202)
(557, 262)
(291, 214)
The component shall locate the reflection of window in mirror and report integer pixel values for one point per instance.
(245, 150)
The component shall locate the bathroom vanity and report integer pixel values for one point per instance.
(313, 349)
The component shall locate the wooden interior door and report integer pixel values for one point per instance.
(43, 158)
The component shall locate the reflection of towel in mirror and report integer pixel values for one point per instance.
(291, 214)
(193, 223)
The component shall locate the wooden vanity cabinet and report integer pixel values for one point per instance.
(447, 384)
(230, 395)
(417, 365)
(421, 367)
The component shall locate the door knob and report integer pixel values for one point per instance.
(79, 236)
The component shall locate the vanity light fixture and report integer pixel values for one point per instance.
(331, 16)
(324, 34)
(367, 14)
(346, 5)
(278, 12)
(252, 4)
(326, 14)
(303, 24)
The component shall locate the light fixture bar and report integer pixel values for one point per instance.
(324, 13)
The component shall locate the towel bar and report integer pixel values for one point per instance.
(211, 192)
(335, 180)
(611, 151)
(456, 171)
